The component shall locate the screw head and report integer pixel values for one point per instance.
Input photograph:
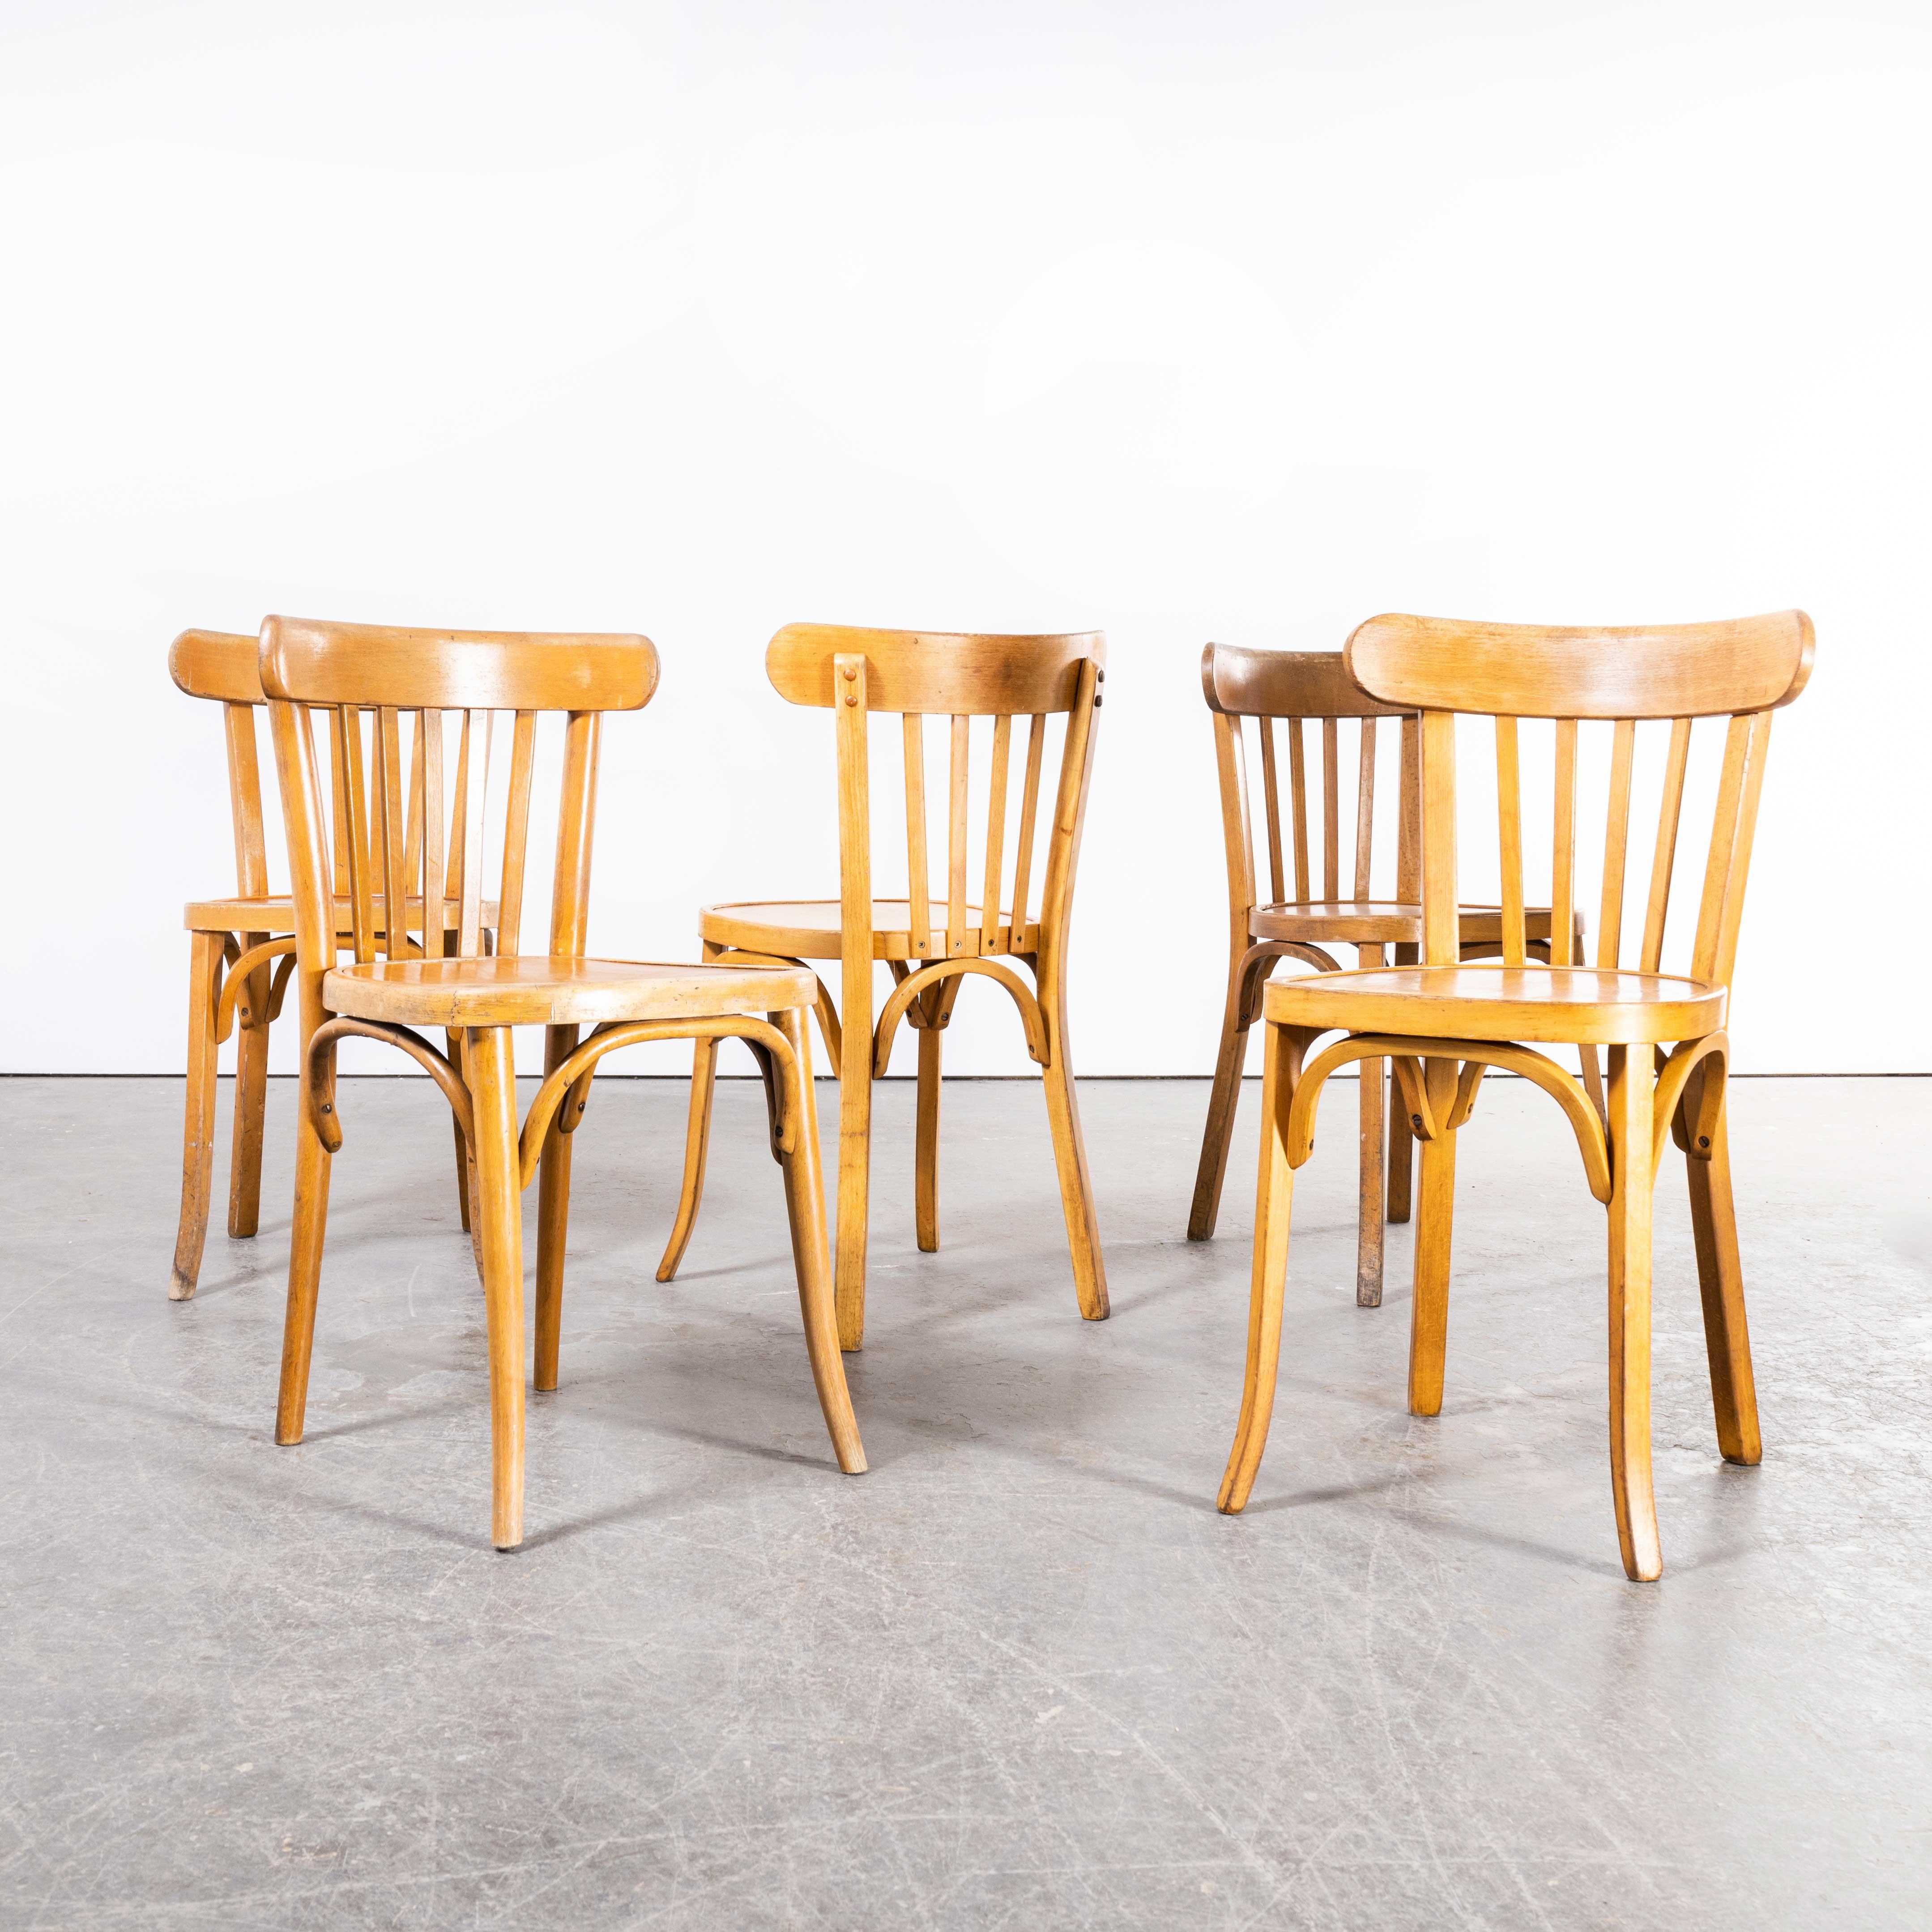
(851, 697)
(1415, 1121)
(1703, 1140)
(326, 1108)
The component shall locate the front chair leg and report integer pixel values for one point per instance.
(305, 1241)
(553, 1218)
(1069, 1155)
(499, 1212)
(925, 1142)
(204, 990)
(696, 1143)
(855, 1160)
(805, 1208)
(1274, 1196)
(1632, 1087)
(1435, 1225)
(1720, 1283)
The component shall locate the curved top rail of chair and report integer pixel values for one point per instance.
(935, 673)
(217, 664)
(1543, 670)
(1246, 683)
(313, 662)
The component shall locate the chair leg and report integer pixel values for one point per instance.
(1069, 1155)
(1720, 1282)
(453, 1041)
(1369, 1206)
(855, 1161)
(805, 1209)
(1274, 1196)
(1401, 1138)
(204, 989)
(553, 1219)
(1435, 1222)
(251, 1092)
(1222, 1099)
(697, 1146)
(1632, 1086)
(499, 1209)
(305, 1242)
(925, 1151)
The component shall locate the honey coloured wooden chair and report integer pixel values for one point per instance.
(931, 940)
(1295, 689)
(242, 950)
(1443, 1023)
(370, 677)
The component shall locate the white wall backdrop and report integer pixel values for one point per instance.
(1240, 321)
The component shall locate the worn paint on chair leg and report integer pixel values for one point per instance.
(1223, 1099)
(553, 1219)
(1632, 1085)
(204, 991)
(811, 1260)
(1273, 1197)
(1435, 1225)
(1370, 1202)
(1721, 1285)
(251, 1093)
(499, 1216)
(925, 1142)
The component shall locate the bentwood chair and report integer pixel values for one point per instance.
(930, 939)
(1443, 1023)
(1297, 689)
(251, 935)
(360, 674)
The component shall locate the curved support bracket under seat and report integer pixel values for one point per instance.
(1407, 1052)
(318, 1074)
(1251, 974)
(1673, 1074)
(909, 989)
(760, 1035)
(240, 970)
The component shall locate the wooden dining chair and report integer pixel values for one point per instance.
(242, 950)
(934, 938)
(366, 677)
(1296, 689)
(1442, 1023)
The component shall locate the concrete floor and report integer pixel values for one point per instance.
(1020, 1675)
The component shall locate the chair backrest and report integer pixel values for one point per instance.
(919, 673)
(383, 834)
(1741, 671)
(220, 665)
(1296, 688)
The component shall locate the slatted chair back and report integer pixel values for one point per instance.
(1296, 689)
(220, 665)
(1666, 678)
(999, 680)
(376, 827)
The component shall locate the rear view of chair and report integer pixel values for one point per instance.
(1443, 1023)
(252, 936)
(375, 685)
(935, 936)
(1296, 689)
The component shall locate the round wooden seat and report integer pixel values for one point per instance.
(809, 929)
(277, 915)
(1552, 1005)
(534, 991)
(1384, 922)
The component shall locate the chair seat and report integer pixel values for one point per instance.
(1383, 922)
(276, 916)
(539, 991)
(1552, 1004)
(809, 929)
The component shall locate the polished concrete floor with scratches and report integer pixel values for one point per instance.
(1020, 1675)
